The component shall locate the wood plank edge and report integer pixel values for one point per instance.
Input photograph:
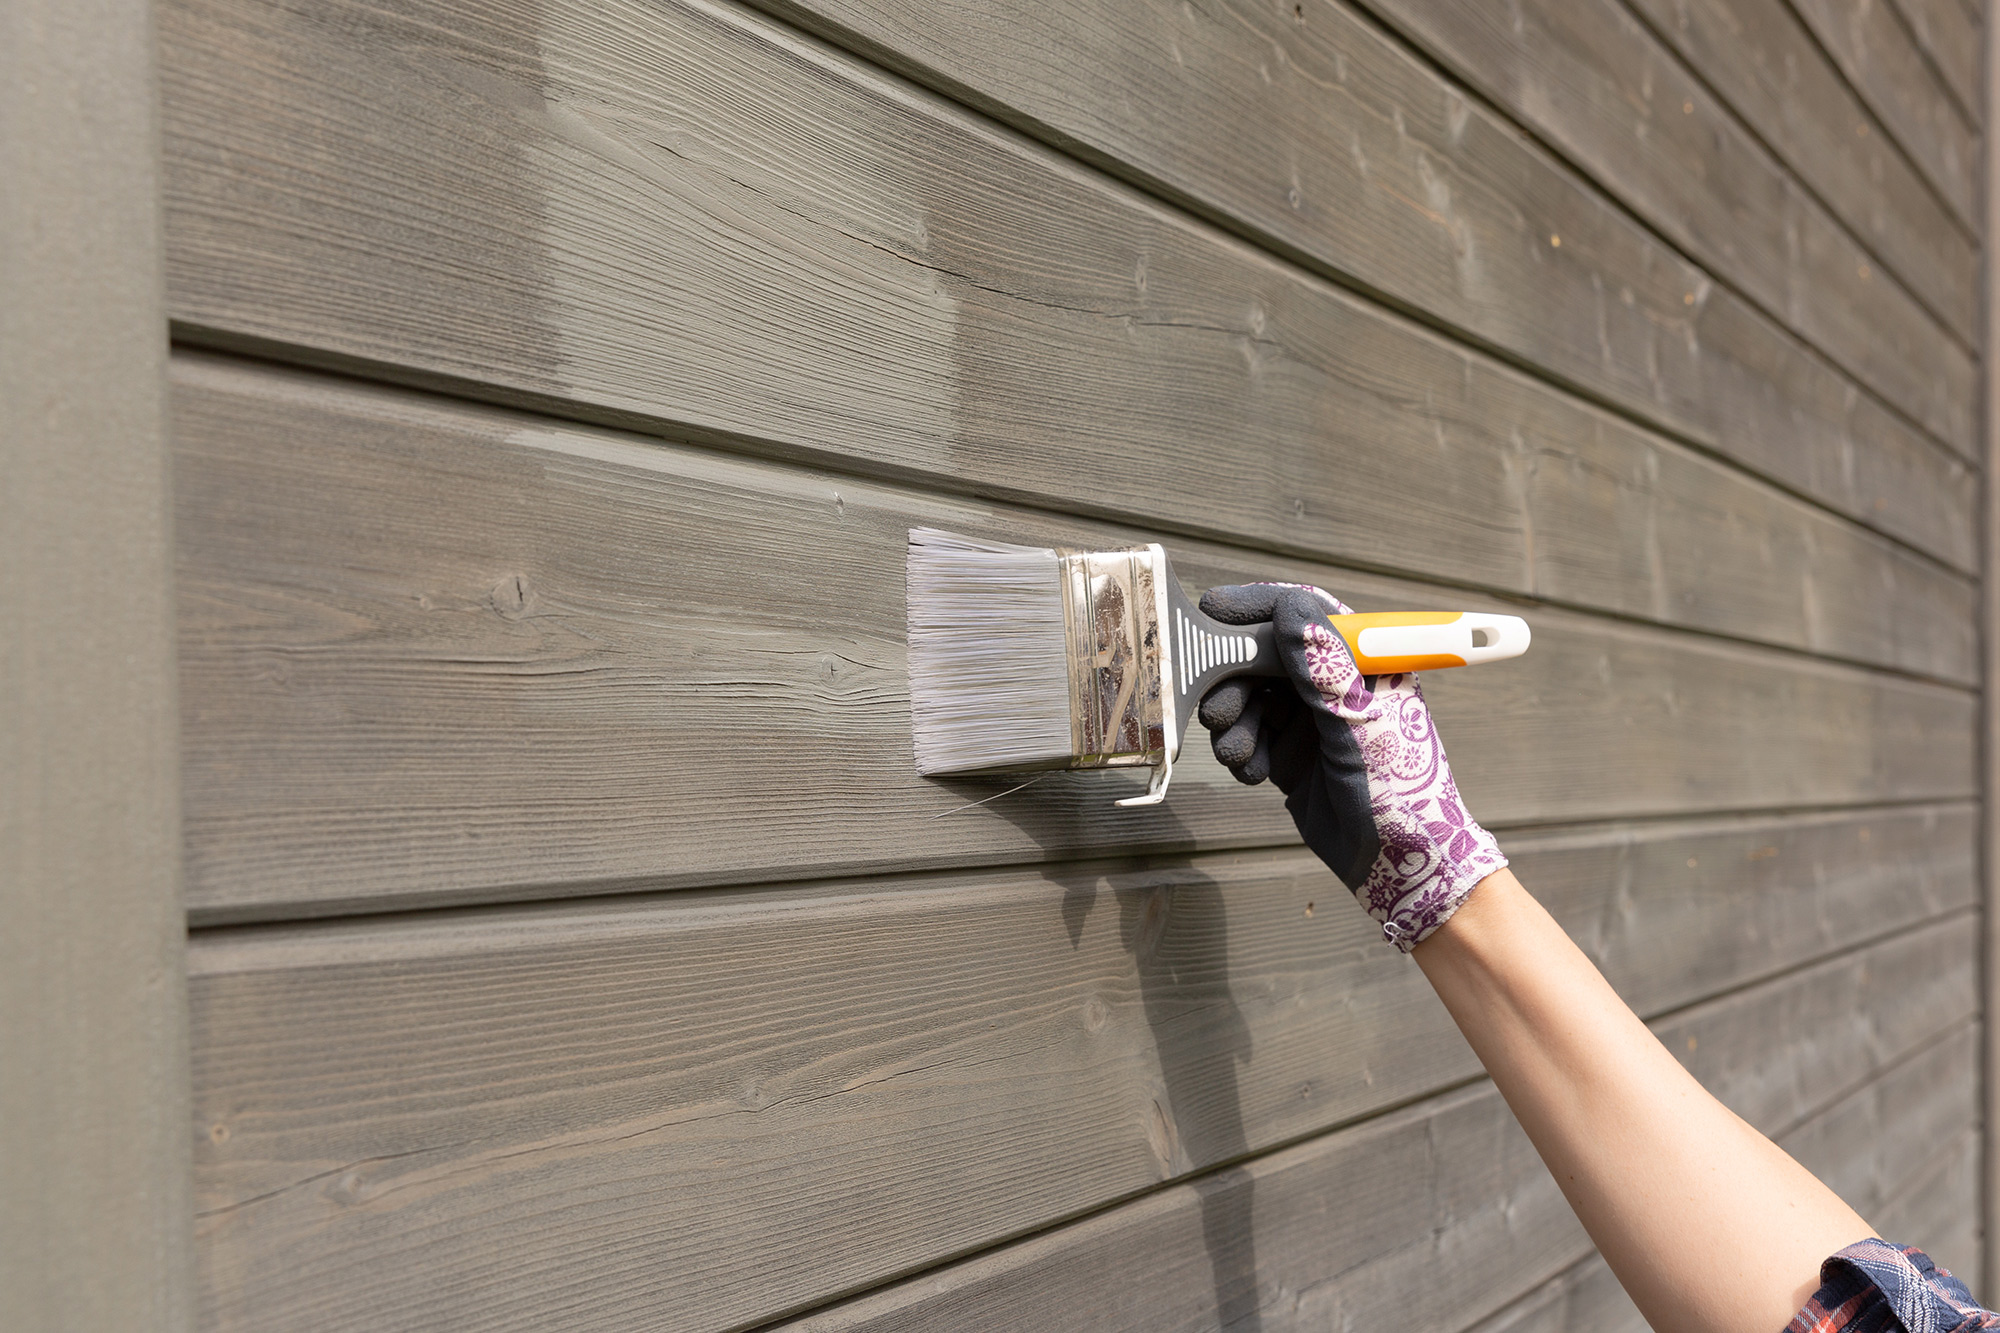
(247, 920)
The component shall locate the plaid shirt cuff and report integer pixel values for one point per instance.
(1875, 1287)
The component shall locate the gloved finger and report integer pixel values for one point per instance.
(1234, 747)
(1315, 657)
(1257, 767)
(1241, 603)
(1221, 706)
(1295, 743)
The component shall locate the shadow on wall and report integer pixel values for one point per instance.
(1174, 922)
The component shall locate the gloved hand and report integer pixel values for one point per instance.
(1363, 772)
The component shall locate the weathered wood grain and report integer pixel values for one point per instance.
(1594, 81)
(1875, 51)
(1948, 33)
(94, 1187)
(707, 1079)
(438, 653)
(1344, 1231)
(1766, 64)
(685, 218)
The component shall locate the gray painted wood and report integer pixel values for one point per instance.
(1882, 62)
(1773, 73)
(1893, 997)
(1989, 1162)
(1939, 1211)
(1870, 1147)
(564, 203)
(632, 1112)
(1308, 127)
(447, 653)
(94, 1183)
(1676, 922)
(1882, 1138)
(1840, 1023)
(1949, 35)
(1343, 1231)
(1595, 82)
(1585, 1299)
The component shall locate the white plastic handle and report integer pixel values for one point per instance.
(1474, 637)
(1494, 638)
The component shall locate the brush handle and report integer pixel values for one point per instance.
(1205, 652)
(1384, 643)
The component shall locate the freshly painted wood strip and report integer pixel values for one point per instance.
(1988, 1152)
(1880, 60)
(1343, 1231)
(1772, 72)
(435, 652)
(683, 217)
(1950, 36)
(1599, 85)
(94, 1189)
(763, 1091)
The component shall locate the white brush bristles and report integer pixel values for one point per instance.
(989, 668)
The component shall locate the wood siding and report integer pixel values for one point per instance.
(573, 943)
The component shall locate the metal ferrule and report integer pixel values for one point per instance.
(1121, 713)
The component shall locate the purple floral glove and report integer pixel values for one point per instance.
(1359, 761)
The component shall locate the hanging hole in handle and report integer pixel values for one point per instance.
(1482, 638)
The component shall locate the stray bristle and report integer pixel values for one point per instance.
(989, 668)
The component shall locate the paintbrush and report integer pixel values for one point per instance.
(1025, 658)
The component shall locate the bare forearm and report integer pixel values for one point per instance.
(1709, 1225)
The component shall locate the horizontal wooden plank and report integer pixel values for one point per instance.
(1948, 33)
(1596, 83)
(1891, 998)
(685, 218)
(1883, 64)
(1939, 1212)
(1345, 1231)
(1766, 64)
(1330, 142)
(1676, 917)
(1584, 1299)
(435, 653)
(1869, 1146)
(529, 1098)
(1882, 1138)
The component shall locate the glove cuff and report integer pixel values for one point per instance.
(1416, 885)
